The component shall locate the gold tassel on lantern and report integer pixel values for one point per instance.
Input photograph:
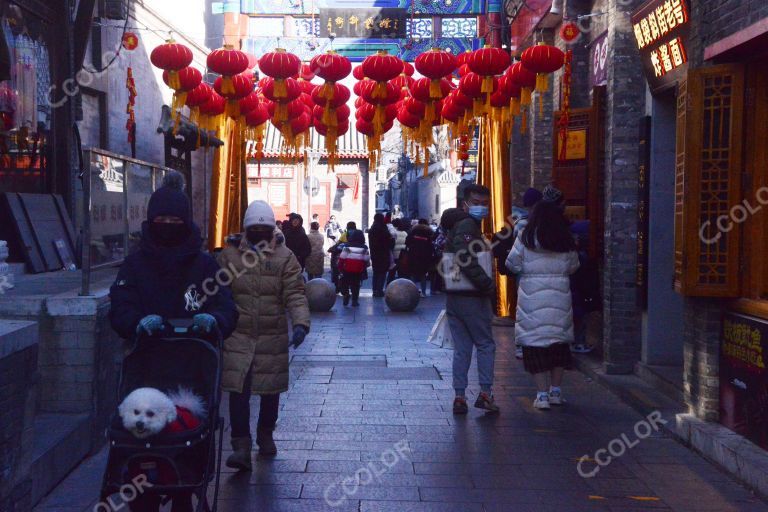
(280, 90)
(542, 83)
(328, 91)
(281, 112)
(487, 85)
(426, 161)
(227, 87)
(525, 96)
(435, 91)
(380, 90)
(233, 109)
(524, 123)
(514, 106)
(174, 82)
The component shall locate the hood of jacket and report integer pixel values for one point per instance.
(451, 217)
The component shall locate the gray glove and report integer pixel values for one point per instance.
(150, 324)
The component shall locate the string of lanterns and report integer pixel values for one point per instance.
(456, 91)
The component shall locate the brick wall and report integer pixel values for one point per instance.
(712, 20)
(18, 383)
(625, 104)
(701, 357)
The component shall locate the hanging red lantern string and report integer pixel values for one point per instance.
(542, 59)
(256, 121)
(187, 79)
(332, 68)
(565, 116)
(526, 80)
(291, 92)
(211, 111)
(228, 63)
(195, 98)
(435, 64)
(281, 66)
(171, 57)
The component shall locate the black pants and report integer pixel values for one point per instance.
(350, 284)
(379, 280)
(419, 277)
(240, 411)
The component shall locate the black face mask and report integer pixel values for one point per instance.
(168, 234)
(256, 236)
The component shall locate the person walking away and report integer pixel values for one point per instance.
(470, 313)
(438, 246)
(398, 249)
(332, 229)
(544, 257)
(420, 253)
(380, 243)
(163, 280)
(296, 239)
(316, 260)
(268, 287)
(353, 263)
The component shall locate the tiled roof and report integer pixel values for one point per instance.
(351, 145)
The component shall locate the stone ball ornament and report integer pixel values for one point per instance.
(321, 295)
(402, 296)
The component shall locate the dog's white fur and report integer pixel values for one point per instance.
(147, 411)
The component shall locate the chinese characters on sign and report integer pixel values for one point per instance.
(661, 31)
(387, 23)
(270, 172)
(743, 378)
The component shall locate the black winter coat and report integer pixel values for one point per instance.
(421, 251)
(380, 243)
(172, 283)
(297, 241)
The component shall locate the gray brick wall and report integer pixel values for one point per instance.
(18, 385)
(713, 20)
(701, 356)
(625, 105)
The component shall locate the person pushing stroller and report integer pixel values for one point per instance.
(268, 286)
(163, 280)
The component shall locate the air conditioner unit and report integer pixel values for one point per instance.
(114, 9)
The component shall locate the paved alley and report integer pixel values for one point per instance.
(367, 426)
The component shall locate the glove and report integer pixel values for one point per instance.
(203, 322)
(299, 333)
(150, 324)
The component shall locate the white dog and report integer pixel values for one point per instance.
(147, 412)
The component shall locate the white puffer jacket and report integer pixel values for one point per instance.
(544, 310)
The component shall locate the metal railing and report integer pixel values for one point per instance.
(113, 206)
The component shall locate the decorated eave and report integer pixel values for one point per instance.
(351, 145)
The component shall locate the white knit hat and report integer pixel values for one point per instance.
(259, 213)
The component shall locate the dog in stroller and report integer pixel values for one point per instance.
(171, 443)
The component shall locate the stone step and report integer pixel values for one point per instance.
(61, 442)
(666, 379)
(16, 335)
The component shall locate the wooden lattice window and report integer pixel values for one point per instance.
(708, 170)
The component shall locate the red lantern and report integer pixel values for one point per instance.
(569, 32)
(281, 66)
(227, 62)
(198, 95)
(367, 111)
(325, 130)
(291, 90)
(423, 89)
(130, 41)
(358, 73)
(471, 85)
(488, 62)
(331, 66)
(372, 92)
(403, 81)
(341, 96)
(257, 116)
(242, 86)
(212, 110)
(451, 112)
(407, 119)
(542, 59)
(249, 103)
(171, 57)
(408, 69)
(188, 79)
(281, 112)
(435, 64)
(463, 58)
(525, 79)
(381, 68)
(306, 73)
(341, 113)
(415, 107)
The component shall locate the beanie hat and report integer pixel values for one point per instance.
(531, 197)
(552, 194)
(170, 199)
(259, 213)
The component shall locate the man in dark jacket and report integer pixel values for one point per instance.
(421, 253)
(380, 244)
(296, 238)
(169, 277)
(470, 313)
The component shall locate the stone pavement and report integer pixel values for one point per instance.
(367, 426)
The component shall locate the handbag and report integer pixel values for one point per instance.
(455, 280)
(441, 332)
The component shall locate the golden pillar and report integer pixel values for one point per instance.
(228, 185)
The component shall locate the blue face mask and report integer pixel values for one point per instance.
(478, 212)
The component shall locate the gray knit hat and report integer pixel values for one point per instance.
(552, 194)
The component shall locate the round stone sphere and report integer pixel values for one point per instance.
(321, 295)
(402, 295)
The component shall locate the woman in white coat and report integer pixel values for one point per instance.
(544, 256)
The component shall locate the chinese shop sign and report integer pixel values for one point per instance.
(270, 172)
(661, 30)
(743, 377)
(388, 23)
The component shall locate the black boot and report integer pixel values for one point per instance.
(267, 446)
(346, 300)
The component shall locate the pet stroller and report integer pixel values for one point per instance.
(171, 464)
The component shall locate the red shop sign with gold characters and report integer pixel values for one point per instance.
(661, 29)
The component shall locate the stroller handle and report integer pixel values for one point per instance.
(183, 328)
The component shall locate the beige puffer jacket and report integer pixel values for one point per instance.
(316, 262)
(267, 286)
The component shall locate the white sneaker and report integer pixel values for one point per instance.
(541, 402)
(519, 352)
(556, 398)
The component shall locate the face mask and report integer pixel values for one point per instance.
(478, 212)
(256, 236)
(168, 234)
